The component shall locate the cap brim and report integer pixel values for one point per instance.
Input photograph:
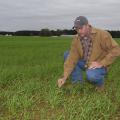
(73, 28)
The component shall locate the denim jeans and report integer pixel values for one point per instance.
(93, 75)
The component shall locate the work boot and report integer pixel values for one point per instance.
(99, 88)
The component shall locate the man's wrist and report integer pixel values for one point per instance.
(64, 78)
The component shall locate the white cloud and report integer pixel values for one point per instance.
(37, 14)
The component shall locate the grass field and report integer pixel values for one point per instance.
(29, 69)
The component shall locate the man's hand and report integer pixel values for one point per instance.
(61, 81)
(95, 65)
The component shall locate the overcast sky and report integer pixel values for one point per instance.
(57, 14)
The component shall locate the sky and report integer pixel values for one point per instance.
(57, 14)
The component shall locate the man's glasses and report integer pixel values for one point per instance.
(77, 28)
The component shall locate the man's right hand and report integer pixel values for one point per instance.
(61, 81)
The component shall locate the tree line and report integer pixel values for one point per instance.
(47, 32)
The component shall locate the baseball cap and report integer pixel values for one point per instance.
(80, 21)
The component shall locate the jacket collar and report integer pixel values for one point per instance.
(93, 30)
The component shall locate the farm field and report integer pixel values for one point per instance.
(29, 69)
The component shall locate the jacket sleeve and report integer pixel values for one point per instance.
(72, 59)
(111, 47)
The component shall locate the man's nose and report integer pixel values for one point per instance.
(81, 31)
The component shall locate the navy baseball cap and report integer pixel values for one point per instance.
(80, 21)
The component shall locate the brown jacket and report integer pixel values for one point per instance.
(104, 50)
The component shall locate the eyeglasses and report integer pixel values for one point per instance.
(77, 28)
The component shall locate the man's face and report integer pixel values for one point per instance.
(83, 31)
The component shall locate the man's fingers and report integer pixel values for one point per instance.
(60, 83)
(92, 68)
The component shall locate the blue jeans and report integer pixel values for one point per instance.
(93, 75)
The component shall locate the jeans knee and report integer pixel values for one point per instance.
(90, 75)
(93, 75)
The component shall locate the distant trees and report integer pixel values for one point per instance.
(6, 33)
(115, 34)
(26, 33)
(47, 32)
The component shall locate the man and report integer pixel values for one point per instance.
(92, 50)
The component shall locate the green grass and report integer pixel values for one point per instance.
(29, 69)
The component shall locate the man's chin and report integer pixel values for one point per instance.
(82, 35)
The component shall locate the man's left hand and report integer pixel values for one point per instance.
(95, 65)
